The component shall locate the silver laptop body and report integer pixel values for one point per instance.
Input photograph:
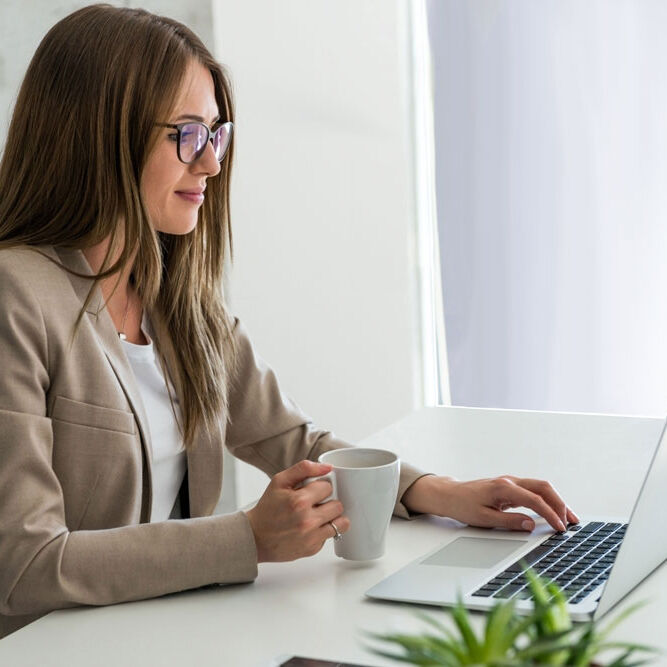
(471, 558)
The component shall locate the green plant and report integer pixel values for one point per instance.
(545, 637)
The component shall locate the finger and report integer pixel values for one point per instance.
(550, 495)
(521, 497)
(491, 518)
(329, 511)
(294, 475)
(317, 491)
(572, 517)
(326, 531)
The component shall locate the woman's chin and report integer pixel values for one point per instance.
(180, 228)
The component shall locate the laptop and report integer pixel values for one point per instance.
(596, 562)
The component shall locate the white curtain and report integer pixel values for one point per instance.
(551, 171)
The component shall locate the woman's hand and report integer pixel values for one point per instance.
(287, 521)
(484, 502)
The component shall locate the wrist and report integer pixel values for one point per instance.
(429, 495)
(250, 515)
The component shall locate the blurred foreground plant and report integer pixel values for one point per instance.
(546, 637)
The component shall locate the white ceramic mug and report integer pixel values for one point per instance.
(366, 483)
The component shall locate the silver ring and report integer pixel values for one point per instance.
(338, 534)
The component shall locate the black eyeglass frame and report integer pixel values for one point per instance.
(178, 127)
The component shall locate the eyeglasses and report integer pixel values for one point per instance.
(194, 137)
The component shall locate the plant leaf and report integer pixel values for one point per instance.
(462, 620)
(498, 636)
(621, 661)
(414, 660)
(633, 645)
(617, 620)
(426, 646)
(437, 625)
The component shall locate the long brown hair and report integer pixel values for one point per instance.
(81, 132)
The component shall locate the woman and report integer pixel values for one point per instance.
(123, 375)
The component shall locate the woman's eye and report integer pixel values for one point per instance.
(173, 137)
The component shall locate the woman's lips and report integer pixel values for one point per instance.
(194, 197)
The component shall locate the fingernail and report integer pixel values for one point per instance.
(527, 525)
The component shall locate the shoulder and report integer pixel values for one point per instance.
(33, 285)
(34, 268)
(27, 256)
(22, 328)
(24, 261)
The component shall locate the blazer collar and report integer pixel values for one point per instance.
(105, 330)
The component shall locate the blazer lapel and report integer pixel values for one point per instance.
(105, 331)
(204, 457)
(205, 466)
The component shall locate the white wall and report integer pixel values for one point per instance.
(324, 268)
(551, 174)
(23, 24)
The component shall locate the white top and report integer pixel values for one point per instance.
(169, 460)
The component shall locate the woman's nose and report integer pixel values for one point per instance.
(207, 162)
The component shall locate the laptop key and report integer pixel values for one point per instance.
(516, 568)
(482, 594)
(524, 594)
(571, 591)
(579, 551)
(592, 527)
(493, 587)
(534, 555)
(508, 590)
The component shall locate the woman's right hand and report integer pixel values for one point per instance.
(287, 521)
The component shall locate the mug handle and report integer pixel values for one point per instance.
(332, 479)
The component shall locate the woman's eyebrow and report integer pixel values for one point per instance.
(192, 116)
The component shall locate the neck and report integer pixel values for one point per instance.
(117, 284)
(122, 301)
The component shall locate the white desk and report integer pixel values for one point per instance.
(316, 607)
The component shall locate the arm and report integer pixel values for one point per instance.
(268, 430)
(484, 502)
(44, 565)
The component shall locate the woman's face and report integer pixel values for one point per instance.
(172, 191)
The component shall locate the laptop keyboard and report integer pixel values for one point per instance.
(578, 561)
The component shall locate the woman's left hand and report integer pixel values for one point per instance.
(484, 502)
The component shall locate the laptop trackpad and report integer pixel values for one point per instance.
(474, 552)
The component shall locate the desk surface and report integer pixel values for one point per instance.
(316, 606)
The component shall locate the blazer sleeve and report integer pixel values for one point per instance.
(44, 566)
(269, 431)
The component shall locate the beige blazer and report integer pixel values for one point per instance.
(75, 456)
